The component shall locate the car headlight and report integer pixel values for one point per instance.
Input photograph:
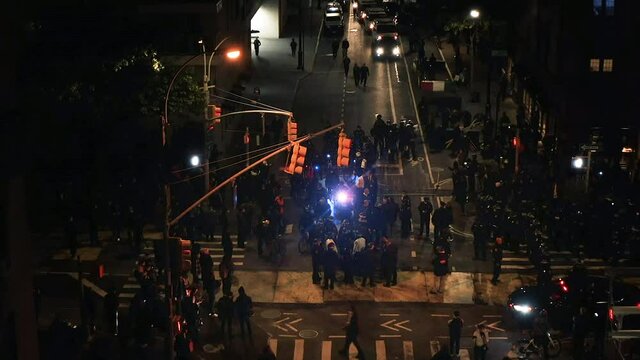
(371, 26)
(379, 51)
(525, 309)
(396, 51)
(355, 5)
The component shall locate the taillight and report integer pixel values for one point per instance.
(563, 286)
(611, 314)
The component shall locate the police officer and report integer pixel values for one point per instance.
(497, 260)
(480, 238)
(425, 209)
(378, 132)
(224, 308)
(389, 262)
(405, 217)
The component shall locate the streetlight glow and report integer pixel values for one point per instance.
(195, 160)
(233, 54)
(577, 163)
(474, 13)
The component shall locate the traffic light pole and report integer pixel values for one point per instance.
(249, 167)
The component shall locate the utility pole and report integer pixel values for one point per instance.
(300, 38)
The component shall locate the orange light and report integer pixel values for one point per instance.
(611, 314)
(233, 54)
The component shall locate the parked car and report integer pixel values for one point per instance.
(334, 23)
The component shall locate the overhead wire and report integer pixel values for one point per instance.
(224, 167)
(266, 148)
(251, 100)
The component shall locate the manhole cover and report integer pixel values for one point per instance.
(271, 314)
(420, 158)
(210, 348)
(308, 334)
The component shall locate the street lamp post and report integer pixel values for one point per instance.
(474, 14)
(205, 86)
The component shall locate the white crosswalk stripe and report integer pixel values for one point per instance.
(561, 261)
(381, 349)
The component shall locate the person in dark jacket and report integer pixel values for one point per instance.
(497, 260)
(441, 220)
(317, 254)
(331, 263)
(481, 234)
(352, 331)
(425, 209)
(405, 217)
(224, 309)
(389, 262)
(365, 262)
(244, 308)
(208, 278)
(455, 332)
(347, 266)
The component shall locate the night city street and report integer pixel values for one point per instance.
(316, 180)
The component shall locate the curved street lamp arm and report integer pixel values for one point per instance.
(166, 96)
(211, 57)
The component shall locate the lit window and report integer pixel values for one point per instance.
(607, 65)
(597, 7)
(609, 6)
(594, 65)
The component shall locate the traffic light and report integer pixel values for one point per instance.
(297, 160)
(292, 130)
(344, 148)
(216, 112)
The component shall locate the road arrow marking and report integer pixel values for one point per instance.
(493, 326)
(399, 324)
(395, 326)
(290, 325)
(277, 324)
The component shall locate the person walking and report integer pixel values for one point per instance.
(224, 309)
(480, 342)
(455, 332)
(405, 217)
(356, 74)
(345, 47)
(364, 74)
(256, 46)
(440, 221)
(225, 270)
(244, 310)
(389, 262)
(346, 62)
(497, 260)
(351, 331)
(480, 232)
(335, 45)
(425, 209)
(208, 278)
(294, 46)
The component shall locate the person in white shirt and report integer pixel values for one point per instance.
(480, 342)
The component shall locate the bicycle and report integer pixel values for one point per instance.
(528, 348)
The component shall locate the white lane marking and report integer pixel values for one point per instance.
(389, 314)
(407, 347)
(393, 103)
(315, 52)
(390, 336)
(336, 336)
(395, 66)
(415, 109)
(491, 316)
(298, 350)
(273, 344)
(413, 252)
(339, 314)
(96, 289)
(126, 295)
(289, 313)
(445, 64)
(440, 315)
(276, 324)
(131, 286)
(381, 350)
(290, 325)
(288, 336)
(326, 350)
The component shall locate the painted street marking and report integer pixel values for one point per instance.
(298, 349)
(126, 295)
(234, 263)
(326, 350)
(390, 336)
(498, 338)
(395, 326)
(381, 350)
(290, 325)
(393, 104)
(413, 253)
(407, 347)
(339, 314)
(96, 289)
(388, 314)
(337, 336)
(131, 286)
(289, 313)
(273, 344)
(440, 315)
(277, 324)
(493, 325)
(434, 346)
(288, 336)
(491, 316)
